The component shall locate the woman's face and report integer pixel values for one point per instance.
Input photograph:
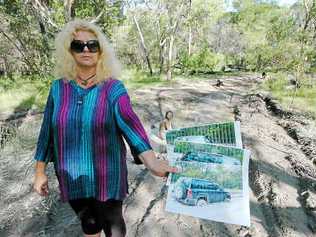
(169, 115)
(85, 58)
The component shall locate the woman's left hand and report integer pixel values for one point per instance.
(157, 167)
(161, 168)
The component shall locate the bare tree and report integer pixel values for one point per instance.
(142, 41)
(310, 12)
(190, 28)
(174, 21)
(21, 49)
(160, 35)
(69, 10)
(141, 36)
(43, 12)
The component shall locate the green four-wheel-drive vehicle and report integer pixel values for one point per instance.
(203, 157)
(200, 192)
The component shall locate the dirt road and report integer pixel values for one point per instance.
(282, 176)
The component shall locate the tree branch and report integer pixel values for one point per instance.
(98, 17)
(18, 48)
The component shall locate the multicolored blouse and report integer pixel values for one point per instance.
(82, 134)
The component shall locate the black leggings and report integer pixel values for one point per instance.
(96, 215)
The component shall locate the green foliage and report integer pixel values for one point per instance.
(20, 93)
(26, 104)
(279, 29)
(302, 98)
(136, 78)
(32, 45)
(110, 13)
(275, 36)
(271, 58)
(202, 61)
(57, 8)
(184, 147)
(28, 30)
(219, 174)
(257, 36)
(141, 77)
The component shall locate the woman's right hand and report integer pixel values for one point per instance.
(41, 184)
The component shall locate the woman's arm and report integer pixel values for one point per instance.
(44, 146)
(131, 127)
(40, 184)
(161, 128)
(40, 167)
(135, 134)
(44, 149)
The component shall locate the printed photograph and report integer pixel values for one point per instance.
(212, 183)
(227, 133)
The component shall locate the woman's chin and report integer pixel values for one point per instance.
(87, 64)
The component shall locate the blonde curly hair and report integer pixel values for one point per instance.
(65, 66)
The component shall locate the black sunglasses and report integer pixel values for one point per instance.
(77, 46)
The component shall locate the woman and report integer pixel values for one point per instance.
(87, 114)
(166, 125)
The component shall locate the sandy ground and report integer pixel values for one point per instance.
(282, 174)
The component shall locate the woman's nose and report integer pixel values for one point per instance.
(85, 49)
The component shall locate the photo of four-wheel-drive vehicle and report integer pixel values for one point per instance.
(213, 178)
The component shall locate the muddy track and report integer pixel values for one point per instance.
(267, 189)
(282, 171)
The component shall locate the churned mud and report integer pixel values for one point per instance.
(282, 169)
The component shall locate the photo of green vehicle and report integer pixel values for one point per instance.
(209, 158)
(199, 192)
(203, 157)
(212, 178)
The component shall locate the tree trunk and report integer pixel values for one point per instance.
(161, 58)
(190, 29)
(190, 40)
(169, 64)
(142, 41)
(174, 23)
(161, 55)
(69, 10)
(23, 51)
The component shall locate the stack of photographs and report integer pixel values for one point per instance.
(212, 182)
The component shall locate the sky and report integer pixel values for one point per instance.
(286, 2)
(280, 2)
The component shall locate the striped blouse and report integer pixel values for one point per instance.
(82, 134)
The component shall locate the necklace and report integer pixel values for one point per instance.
(82, 92)
(85, 81)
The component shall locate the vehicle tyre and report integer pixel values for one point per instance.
(179, 192)
(201, 202)
(227, 198)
